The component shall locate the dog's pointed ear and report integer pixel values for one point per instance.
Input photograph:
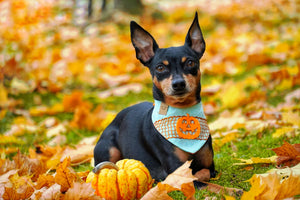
(194, 38)
(144, 44)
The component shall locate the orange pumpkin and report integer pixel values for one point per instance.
(127, 179)
(188, 127)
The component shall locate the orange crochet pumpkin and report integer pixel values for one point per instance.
(127, 179)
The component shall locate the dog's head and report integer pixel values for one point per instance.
(175, 70)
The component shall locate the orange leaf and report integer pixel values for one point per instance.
(84, 118)
(44, 180)
(72, 101)
(277, 184)
(65, 175)
(288, 154)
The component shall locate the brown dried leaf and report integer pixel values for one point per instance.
(288, 154)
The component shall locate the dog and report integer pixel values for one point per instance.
(173, 130)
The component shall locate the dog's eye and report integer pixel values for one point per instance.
(160, 68)
(190, 63)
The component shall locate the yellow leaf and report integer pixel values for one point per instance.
(232, 94)
(291, 117)
(3, 96)
(44, 110)
(10, 140)
(276, 184)
(229, 197)
(282, 131)
(228, 122)
(256, 160)
(108, 119)
(285, 84)
(225, 138)
(2, 113)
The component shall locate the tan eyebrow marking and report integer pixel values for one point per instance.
(183, 59)
(165, 62)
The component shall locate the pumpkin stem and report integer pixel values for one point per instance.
(105, 165)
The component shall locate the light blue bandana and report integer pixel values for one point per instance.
(186, 128)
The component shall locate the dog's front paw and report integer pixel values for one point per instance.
(203, 175)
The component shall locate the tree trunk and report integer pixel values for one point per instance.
(129, 6)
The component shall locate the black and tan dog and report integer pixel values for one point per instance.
(173, 130)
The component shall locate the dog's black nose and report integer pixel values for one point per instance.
(178, 84)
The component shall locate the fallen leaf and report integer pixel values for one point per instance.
(291, 118)
(65, 175)
(288, 154)
(4, 139)
(56, 130)
(276, 184)
(53, 193)
(4, 178)
(72, 101)
(232, 95)
(121, 90)
(28, 166)
(222, 190)
(227, 122)
(181, 179)
(19, 187)
(81, 191)
(46, 110)
(286, 130)
(44, 180)
(81, 154)
(84, 118)
(256, 160)
(3, 96)
(224, 137)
